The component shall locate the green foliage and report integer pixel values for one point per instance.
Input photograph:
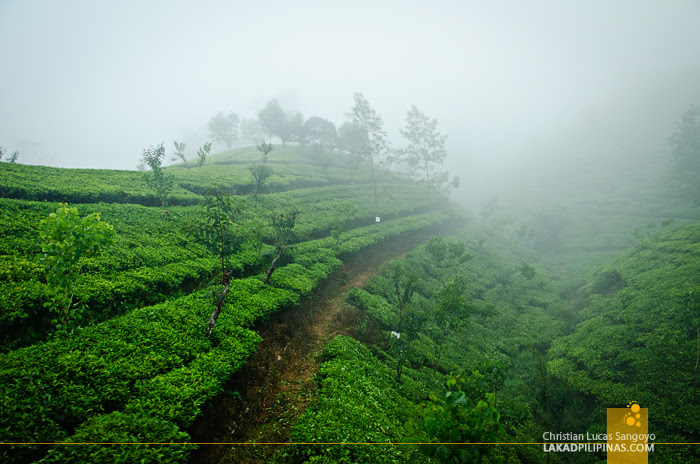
(528, 271)
(525, 233)
(221, 232)
(68, 241)
(425, 149)
(132, 369)
(218, 227)
(459, 418)
(150, 260)
(645, 239)
(358, 403)
(452, 309)
(351, 139)
(224, 128)
(179, 152)
(343, 214)
(319, 133)
(282, 225)
(156, 178)
(480, 328)
(43, 183)
(202, 154)
(374, 145)
(154, 361)
(689, 312)
(148, 360)
(638, 333)
(119, 427)
(277, 123)
(261, 171)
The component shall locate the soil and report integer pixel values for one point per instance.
(265, 398)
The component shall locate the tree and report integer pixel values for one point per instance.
(157, 179)
(295, 126)
(261, 171)
(202, 154)
(374, 146)
(685, 166)
(426, 146)
(442, 182)
(403, 281)
(68, 240)
(282, 224)
(219, 230)
(351, 138)
(2, 152)
(277, 123)
(179, 152)
(319, 133)
(14, 156)
(462, 416)
(251, 131)
(224, 128)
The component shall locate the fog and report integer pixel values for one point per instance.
(91, 84)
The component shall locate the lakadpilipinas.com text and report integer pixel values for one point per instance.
(597, 443)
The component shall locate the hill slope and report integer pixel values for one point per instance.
(137, 365)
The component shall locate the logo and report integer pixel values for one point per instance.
(628, 435)
(634, 417)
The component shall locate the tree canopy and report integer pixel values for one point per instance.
(374, 146)
(426, 147)
(319, 133)
(278, 123)
(224, 128)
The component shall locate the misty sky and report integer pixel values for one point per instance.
(93, 83)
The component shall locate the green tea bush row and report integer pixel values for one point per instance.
(151, 260)
(24, 319)
(506, 316)
(50, 389)
(42, 183)
(320, 212)
(152, 362)
(237, 178)
(639, 333)
(358, 403)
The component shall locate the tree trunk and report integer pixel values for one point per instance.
(427, 183)
(219, 307)
(272, 266)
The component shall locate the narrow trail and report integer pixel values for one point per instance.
(268, 396)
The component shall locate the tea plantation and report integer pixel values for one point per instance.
(136, 365)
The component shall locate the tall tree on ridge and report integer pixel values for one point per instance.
(276, 122)
(224, 128)
(426, 146)
(375, 144)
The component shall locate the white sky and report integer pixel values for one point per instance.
(92, 83)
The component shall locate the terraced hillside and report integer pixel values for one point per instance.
(137, 365)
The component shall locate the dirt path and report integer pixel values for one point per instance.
(269, 395)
